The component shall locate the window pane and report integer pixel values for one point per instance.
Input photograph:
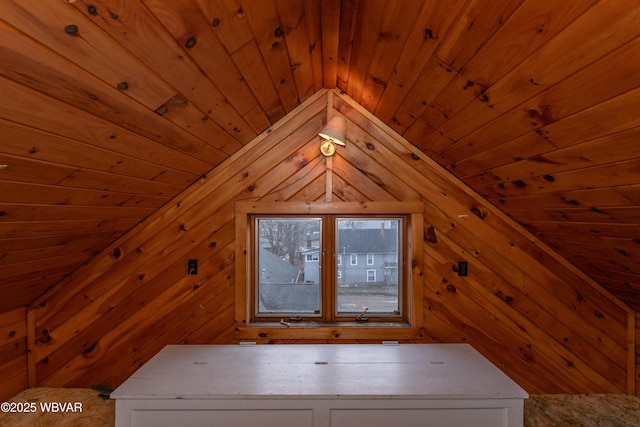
(375, 285)
(288, 266)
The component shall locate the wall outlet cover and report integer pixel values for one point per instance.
(192, 267)
(463, 268)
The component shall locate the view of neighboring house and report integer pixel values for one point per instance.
(275, 270)
(278, 291)
(367, 253)
(366, 256)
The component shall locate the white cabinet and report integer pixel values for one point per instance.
(319, 385)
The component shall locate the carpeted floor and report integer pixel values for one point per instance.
(98, 411)
(599, 410)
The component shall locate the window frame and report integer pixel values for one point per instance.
(410, 328)
(374, 275)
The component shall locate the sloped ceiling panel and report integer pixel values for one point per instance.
(111, 108)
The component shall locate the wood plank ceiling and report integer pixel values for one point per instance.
(109, 109)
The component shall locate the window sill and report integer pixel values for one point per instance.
(329, 331)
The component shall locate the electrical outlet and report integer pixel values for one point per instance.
(192, 267)
(463, 268)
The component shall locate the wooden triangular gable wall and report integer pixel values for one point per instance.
(535, 316)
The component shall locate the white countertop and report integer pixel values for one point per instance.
(323, 371)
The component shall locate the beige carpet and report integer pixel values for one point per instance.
(96, 411)
(599, 410)
(540, 410)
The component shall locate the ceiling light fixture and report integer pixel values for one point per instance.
(335, 132)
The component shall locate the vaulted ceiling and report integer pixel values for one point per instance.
(109, 109)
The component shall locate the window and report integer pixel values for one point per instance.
(294, 272)
(290, 278)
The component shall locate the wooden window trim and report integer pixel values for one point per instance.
(411, 330)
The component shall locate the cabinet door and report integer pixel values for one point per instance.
(219, 417)
(463, 417)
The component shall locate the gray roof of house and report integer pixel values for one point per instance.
(368, 240)
(277, 270)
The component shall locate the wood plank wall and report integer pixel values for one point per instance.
(13, 352)
(535, 316)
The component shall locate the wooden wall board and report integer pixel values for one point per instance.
(24, 293)
(91, 245)
(20, 169)
(269, 36)
(257, 188)
(250, 63)
(397, 24)
(54, 149)
(434, 77)
(135, 27)
(590, 197)
(541, 316)
(21, 192)
(345, 191)
(95, 51)
(477, 21)
(14, 247)
(311, 171)
(210, 323)
(190, 28)
(294, 22)
(525, 31)
(476, 169)
(98, 180)
(455, 196)
(228, 21)
(30, 108)
(365, 39)
(615, 112)
(613, 175)
(559, 51)
(558, 337)
(13, 352)
(313, 11)
(190, 220)
(62, 79)
(165, 310)
(433, 20)
(332, 19)
(35, 229)
(630, 192)
(534, 115)
(540, 112)
(166, 98)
